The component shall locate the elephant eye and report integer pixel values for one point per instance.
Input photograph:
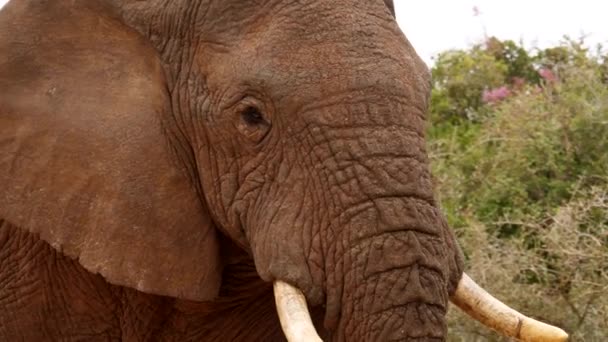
(253, 124)
(252, 116)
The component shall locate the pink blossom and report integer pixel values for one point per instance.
(518, 82)
(547, 75)
(496, 95)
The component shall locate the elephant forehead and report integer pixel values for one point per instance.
(285, 61)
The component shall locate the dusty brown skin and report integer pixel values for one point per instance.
(161, 162)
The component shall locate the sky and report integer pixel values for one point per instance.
(436, 25)
(433, 26)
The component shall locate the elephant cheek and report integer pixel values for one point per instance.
(281, 249)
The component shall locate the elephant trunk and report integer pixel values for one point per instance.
(391, 261)
(396, 276)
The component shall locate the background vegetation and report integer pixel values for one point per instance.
(519, 148)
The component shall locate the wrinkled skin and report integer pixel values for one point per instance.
(162, 162)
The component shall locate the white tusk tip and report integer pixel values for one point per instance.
(293, 313)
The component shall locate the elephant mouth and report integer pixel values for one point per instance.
(469, 297)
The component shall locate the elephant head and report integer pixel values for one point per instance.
(136, 136)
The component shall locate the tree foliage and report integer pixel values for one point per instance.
(519, 149)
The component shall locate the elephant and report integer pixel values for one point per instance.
(222, 171)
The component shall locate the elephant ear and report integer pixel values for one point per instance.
(87, 158)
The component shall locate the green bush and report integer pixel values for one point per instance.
(459, 79)
(562, 280)
(524, 181)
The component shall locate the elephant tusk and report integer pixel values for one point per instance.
(293, 313)
(479, 304)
